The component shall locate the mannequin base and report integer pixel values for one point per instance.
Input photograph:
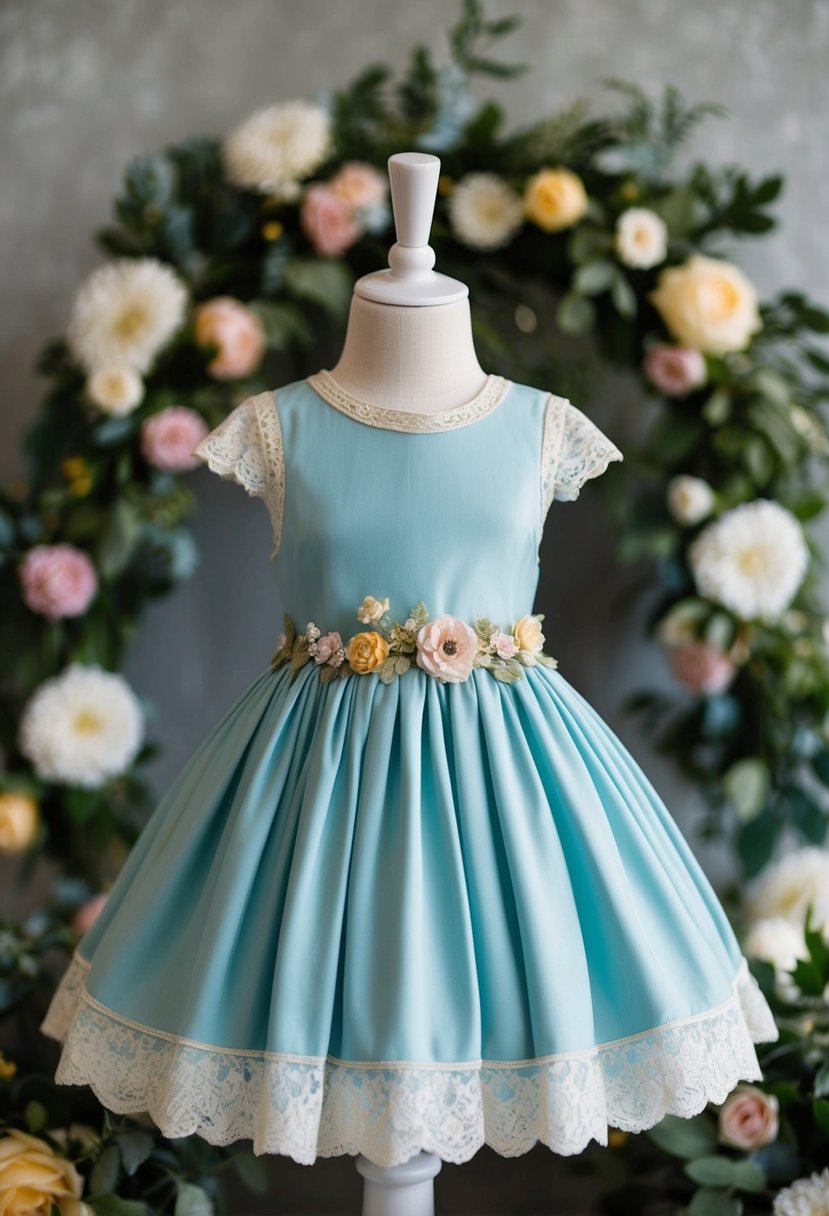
(399, 1190)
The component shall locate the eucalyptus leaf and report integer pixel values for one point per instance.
(325, 282)
(709, 1202)
(106, 1171)
(192, 1201)
(711, 1171)
(575, 314)
(594, 277)
(688, 1138)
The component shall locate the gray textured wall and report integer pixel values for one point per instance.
(87, 84)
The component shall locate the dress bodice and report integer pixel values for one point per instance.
(444, 508)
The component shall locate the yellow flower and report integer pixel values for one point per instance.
(19, 819)
(7, 1067)
(33, 1178)
(616, 1137)
(372, 609)
(527, 631)
(630, 190)
(74, 467)
(272, 230)
(365, 651)
(554, 199)
(708, 304)
(446, 184)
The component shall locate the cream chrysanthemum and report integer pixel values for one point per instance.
(116, 390)
(485, 212)
(82, 727)
(124, 313)
(641, 238)
(806, 1197)
(751, 560)
(277, 146)
(786, 887)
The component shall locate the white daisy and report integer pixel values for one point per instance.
(786, 886)
(751, 560)
(641, 238)
(277, 146)
(125, 312)
(806, 1197)
(485, 212)
(82, 727)
(116, 390)
(690, 499)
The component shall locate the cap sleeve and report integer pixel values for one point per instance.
(573, 450)
(247, 448)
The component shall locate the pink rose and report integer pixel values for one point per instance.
(326, 646)
(87, 914)
(701, 667)
(675, 370)
(168, 438)
(446, 648)
(58, 581)
(236, 330)
(748, 1118)
(505, 644)
(327, 220)
(359, 184)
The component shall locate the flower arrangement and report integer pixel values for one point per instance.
(445, 647)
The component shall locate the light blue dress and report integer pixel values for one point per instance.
(411, 909)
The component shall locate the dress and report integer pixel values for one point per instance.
(384, 913)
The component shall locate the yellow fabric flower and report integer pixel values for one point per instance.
(554, 199)
(372, 609)
(365, 651)
(33, 1178)
(18, 822)
(527, 631)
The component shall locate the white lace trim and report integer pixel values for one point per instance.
(573, 449)
(307, 1107)
(247, 448)
(388, 419)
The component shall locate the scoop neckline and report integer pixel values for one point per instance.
(490, 395)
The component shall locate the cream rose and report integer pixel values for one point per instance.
(19, 819)
(33, 1178)
(708, 304)
(528, 635)
(554, 199)
(372, 609)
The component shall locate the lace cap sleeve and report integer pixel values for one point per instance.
(573, 450)
(247, 448)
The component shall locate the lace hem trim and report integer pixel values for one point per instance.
(307, 1107)
(573, 450)
(388, 419)
(247, 448)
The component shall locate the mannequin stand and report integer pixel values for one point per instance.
(399, 1190)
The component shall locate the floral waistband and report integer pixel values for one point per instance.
(445, 647)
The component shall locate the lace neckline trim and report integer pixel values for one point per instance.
(493, 392)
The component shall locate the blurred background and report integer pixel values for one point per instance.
(87, 85)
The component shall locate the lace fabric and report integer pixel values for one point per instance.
(482, 403)
(573, 450)
(307, 1107)
(247, 448)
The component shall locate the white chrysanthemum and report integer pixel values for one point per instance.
(485, 212)
(806, 1197)
(125, 312)
(116, 390)
(277, 146)
(781, 942)
(690, 499)
(641, 238)
(787, 886)
(82, 727)
(751, 560)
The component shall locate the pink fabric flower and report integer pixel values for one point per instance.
(446, 648)
(749, 1118)
(701, 667)
(328, 220)
(675, 370)
(359, 184)
(168, 438)
(236, 330)
(505, 644)
(87, 913)
(327, 646)
(58, 581)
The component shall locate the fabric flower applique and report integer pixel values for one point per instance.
(445, 647)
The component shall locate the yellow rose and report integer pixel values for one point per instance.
(554, 198)
(365, 651)
(528, 635)
(33, 1178)
(707, 304)
(18, 823)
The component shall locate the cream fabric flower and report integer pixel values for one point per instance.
(277, 146)
(708, 304)
(641, 238)
(484, 211)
